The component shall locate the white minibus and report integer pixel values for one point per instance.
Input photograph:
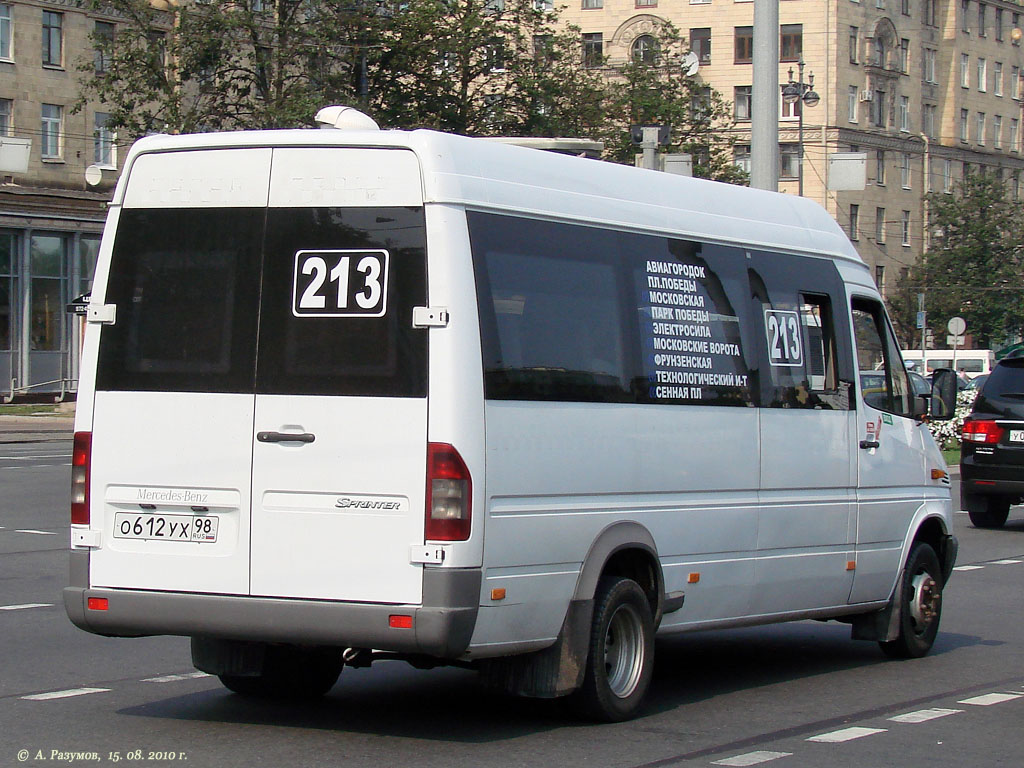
(352, 395)
(969, 362)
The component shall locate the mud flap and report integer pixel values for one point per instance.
(883, 625)
(555, 671)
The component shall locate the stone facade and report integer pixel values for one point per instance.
(889, 76)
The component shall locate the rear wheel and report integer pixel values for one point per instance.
(621, 652)
(921, 606)
(290, 673)
(987, 511)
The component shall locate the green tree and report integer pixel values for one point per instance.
(654, 89)
(974, 267)
(225, 64)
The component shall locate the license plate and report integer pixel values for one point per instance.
(196, 528)
(1017, 435)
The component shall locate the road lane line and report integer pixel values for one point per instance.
(24, 606)
(751, 758)
(64, 694)
(1007, 562)
(845, 734)
(176, 678)
(988, 699)
(969, 568)
(38, 533)
(924, 715)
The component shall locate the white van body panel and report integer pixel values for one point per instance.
(199, 179)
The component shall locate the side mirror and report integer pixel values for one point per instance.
(943, 399)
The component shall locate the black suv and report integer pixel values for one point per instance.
(992, 459)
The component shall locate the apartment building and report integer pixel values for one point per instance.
(927, 90)
(57, 170)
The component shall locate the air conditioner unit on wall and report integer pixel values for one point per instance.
(867, 95)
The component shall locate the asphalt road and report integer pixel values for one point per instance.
(789, 695)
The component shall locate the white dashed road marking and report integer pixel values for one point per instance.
(991, 698)
(751, 758)
(24, 606)
(38, 533)
(923, 715)
(969, 568)
(1006, 562)
(846, 734)
(64, 694)
(175, 678)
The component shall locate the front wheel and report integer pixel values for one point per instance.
(921, 606)
(987, 511)
(620, 660)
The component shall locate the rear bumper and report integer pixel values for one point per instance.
(441, 627)
(985, 478)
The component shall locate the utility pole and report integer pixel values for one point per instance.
(764, 100)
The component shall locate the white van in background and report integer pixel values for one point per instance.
(353, 395)
(969, 362)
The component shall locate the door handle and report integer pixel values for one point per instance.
(285, 437)
(866, 444)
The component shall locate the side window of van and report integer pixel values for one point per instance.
(551, 311)
(883, 379)
(807, 363)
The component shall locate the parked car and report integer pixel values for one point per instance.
(992, 460)
(977, 382)
(919, 384)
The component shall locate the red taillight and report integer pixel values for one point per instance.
(98, 604)
(449, 494)
(80, 461)
(982, 432)
(400, 621)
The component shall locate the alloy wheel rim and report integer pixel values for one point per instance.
(624, 651)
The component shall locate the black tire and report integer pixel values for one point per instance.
(620, 658)
(290, 673)
(921, 607)
(987, 511)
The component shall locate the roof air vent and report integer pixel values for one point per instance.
(345, 119)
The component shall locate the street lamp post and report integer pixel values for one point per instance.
(803, 92)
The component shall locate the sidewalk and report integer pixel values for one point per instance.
(36, 429)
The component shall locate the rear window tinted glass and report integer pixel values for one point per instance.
(185, 284)
(1003, 391)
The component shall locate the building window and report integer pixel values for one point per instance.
(904, 113)
(789, 161)
(103, 39)
(646, 3)
(879, 116)
(878, 55)
(880, 225)
(880, 167)
(905, 170)
(963, 125)
(1015, 82)
(104, 151)
(53, 38)
(930, 13)
(854, 45)
(6, 116)
(947, 176)
(854, 221)
(700, 43)
(791, 42)
(997, 131)
(1016, 25)
(741, 156)
(5, 32)
(982, 21)
(965, 70)
(880, 278)
(788, 111)
(928, 120)
(644, 49)
(904, 55)
(929, 65)
(590, 4)
(906, 227)
(999, 25)
(593, 49)
(47, 257)
(997, 78)
(741, 99)
(744, 37)
(50, 140)
(851, 103)
(982, 75)
(1014, 137)
(905, 7)
(965, 21)
(981, 128)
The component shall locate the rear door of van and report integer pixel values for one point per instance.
(260, 417)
